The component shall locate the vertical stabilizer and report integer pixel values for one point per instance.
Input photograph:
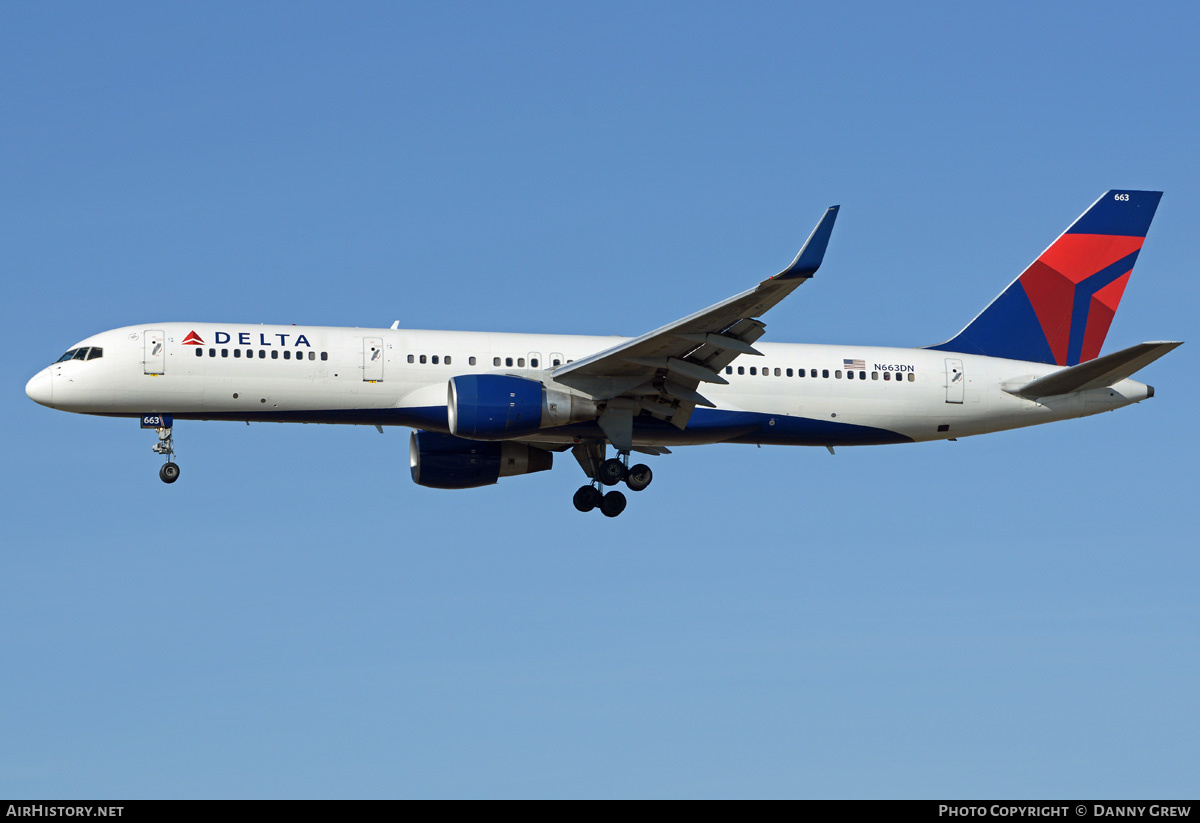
(1060, 308)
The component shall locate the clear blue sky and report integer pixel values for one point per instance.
(1007, 616)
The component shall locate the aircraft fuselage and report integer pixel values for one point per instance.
(849, 395)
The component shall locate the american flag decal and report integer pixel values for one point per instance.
(854, 364)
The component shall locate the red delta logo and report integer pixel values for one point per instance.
(192, 339)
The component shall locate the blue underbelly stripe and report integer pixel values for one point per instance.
(711, 425)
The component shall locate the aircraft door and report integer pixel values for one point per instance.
(373, 359)
(955, 380)
(154, 357)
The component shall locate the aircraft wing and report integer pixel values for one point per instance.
(661, 371)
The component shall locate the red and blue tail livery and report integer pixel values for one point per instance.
(1059, 310)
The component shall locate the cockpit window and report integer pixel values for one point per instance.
(82, 353)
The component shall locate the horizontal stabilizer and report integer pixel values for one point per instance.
(1095, 374)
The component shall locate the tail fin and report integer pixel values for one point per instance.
(1060, 308)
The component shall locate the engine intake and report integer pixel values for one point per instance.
(500, 406)
(442, 461)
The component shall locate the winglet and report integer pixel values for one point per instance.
(809, 259)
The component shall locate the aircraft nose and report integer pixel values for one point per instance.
(40, 388)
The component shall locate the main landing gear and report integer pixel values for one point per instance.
(608, 472)
(165, 446)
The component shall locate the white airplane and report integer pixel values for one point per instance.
(486, 406)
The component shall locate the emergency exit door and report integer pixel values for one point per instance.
(154, 357)
(373, 359)
(955, 380)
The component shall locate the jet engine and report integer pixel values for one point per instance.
(442, 461)
(501, 406)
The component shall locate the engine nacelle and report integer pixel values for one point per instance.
(500, 406)
(442, 461)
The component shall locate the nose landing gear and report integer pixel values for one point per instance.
(608, 472)
(169, 473)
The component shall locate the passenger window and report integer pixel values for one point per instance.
(824, 372)
(729, 369)
(789, 372)
(521, 362)
(837, 374)
(199, 352)
(423, 358)
(777, 372)
(754, 369)
(911, 377)
(813, 373)
(471, 360)
(741, 369)
(224, 352)
(212, 352)
(262, 354)
(447, 360)
(557, 362)
(862, 375)
(324, 355)
(274, 354)
(237, 352)
(874, 375)
(411, 359)
(495, 361)
(849, 375)
(887, 375)
(508, 361)
(287, 354)
(434, 359)
(533, 363)
(312, 355)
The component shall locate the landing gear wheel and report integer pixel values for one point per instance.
(169, 473)
(612, 504)
(612, 471)
(587, 498)
(639, 477)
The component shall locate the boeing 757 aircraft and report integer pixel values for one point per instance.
(487, 405)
